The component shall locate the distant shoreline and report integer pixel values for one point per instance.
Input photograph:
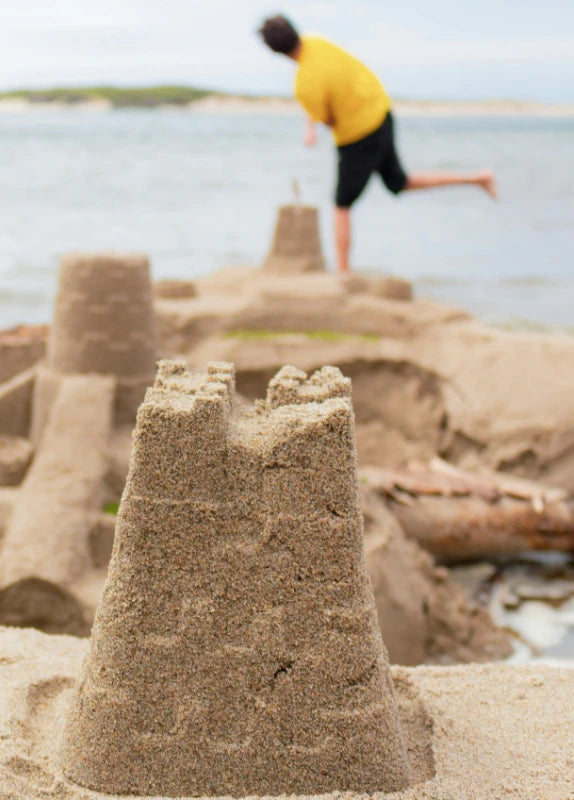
(229, 104)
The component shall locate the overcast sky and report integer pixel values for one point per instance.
(476, 49)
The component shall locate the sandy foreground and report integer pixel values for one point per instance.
(480, 732)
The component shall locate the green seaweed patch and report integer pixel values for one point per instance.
(265, 335)
(112, 508)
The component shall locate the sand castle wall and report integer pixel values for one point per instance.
(296, 245)
(46, 546)
(236, 649)
(103, 324)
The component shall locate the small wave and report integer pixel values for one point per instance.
(535, 280)
(445, 280)
(520, 325)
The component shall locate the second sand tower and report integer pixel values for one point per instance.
(103, 324)
(236, 649)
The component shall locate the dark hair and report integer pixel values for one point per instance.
(279, 34)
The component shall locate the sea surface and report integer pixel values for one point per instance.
(198, 191)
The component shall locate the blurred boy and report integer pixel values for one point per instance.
(342, 93)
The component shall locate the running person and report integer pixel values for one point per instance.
(339, 91)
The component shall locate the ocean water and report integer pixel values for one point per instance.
(198, 191)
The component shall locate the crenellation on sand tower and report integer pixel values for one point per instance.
(291, 387)
(236, 648)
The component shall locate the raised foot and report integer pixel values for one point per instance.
(487, 181)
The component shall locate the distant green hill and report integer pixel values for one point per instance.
(145, 97)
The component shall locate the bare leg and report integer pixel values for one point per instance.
(343, 237)
(428, 180)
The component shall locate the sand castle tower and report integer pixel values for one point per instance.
(296, 245)
(104, 324)
(236, 649)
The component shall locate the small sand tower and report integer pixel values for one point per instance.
(236, 649)
(296, 246)
(104, 324)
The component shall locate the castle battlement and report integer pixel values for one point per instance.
(236, 649)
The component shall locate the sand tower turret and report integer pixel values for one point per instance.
(103, 323)
(236, 649)
(296, 245)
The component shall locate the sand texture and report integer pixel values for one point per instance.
(237, 620)
(473, 733)
(296, 245)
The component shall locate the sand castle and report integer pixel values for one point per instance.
(236, 649)
(103, 324)
(296, 245)
(100, 359)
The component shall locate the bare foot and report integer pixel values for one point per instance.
(487, 181)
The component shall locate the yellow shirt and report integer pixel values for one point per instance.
(337, 89)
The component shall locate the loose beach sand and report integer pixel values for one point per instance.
(474, 733)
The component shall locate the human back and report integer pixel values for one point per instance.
(337, 89)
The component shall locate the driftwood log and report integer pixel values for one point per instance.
(460, 516)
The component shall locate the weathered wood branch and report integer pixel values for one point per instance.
(460, 516)
(461, 528)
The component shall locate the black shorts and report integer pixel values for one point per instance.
(358, 160)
